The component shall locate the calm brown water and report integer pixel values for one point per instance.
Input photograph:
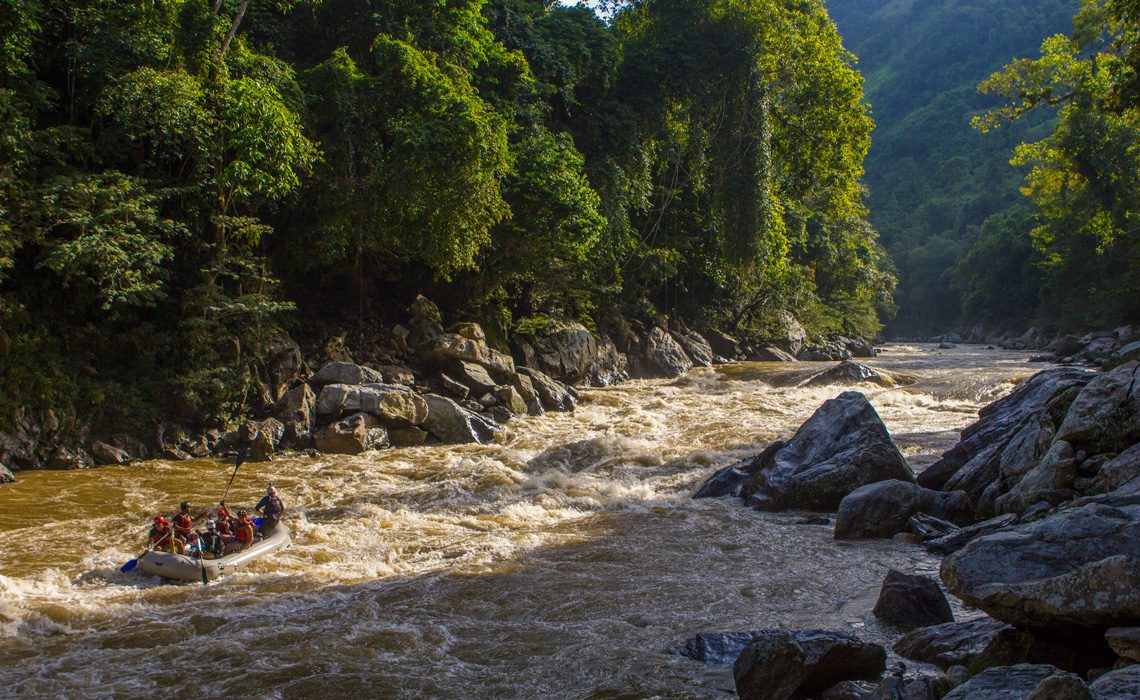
(564, 562)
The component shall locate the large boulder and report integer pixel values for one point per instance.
(883, 509)
(523, 384)
(1005, 683)
(730, 480)
(781, 664)
(1125, 642)
(1040, 575)
(66, 458)
(723, 344)
(344, 373)
(352, 435)
(908, 601)
(6, 475)
(976, 644)
(260, 439)
(1107, 410)
(1121, 684)
(662, 356)
(395, 405)
(770, 354)
(473, 376)
(564, 351)
(695, 346)
(791, 336)
(449, 422)
(1120, 470)
(1050, 480)
(843, 446)
(443, 350)
(297, 411)
(283, 365)
(610, 366)
(551, 394)
(953, 541)
(1023, 421)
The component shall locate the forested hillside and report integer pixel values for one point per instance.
(933, 179)
(178, 178)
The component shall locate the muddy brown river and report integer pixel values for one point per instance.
(566, 561)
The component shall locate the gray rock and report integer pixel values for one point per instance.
(552, 395)
(662, 356)
(696, 347)
(1125, 642)
(175, 454)
(283, 365)
(610, 366)
(1039, 575)
(525, 387)
(927, 527)
(973, 464)
(1128, 353)
(791, 335)
(104, 454)
(352, 435)
(1051, 480)
(407, 437)
(976, 644)
(859, 347)
(457, 389)
(730, 480)
(473, 376)
(6, 475)
(716, 647)
(1066, 346)
(509, 398)
(843, 446)
(443, 350)
(261, 438)
(1003, 683)
(66, 458)
(1120, 470)
(1062, 686)
(954, 541)
(393, 404)
(723, 344)
(848, 373)
(847, 690)
(771, 354)
(450, 423)
(297, 411)
(781, 664)
(883, 509)
(397, 374)
(908, 601)
(344, 373)
(563, 351)
(1106, 409)
(1121, 684)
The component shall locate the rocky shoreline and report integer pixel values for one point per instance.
(410, 384)
(1037, 511)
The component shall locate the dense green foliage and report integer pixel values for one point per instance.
(179, 177)
(933, 180)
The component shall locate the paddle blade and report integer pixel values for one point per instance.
(129, 565)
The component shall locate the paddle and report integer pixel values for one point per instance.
(238, 460)
(135, 562)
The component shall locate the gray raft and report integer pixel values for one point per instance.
(188, 568)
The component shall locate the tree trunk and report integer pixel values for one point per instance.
(233, 29)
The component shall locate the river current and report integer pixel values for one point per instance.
(566, 561)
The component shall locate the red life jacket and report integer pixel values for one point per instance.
(244, 532)
(183, 522)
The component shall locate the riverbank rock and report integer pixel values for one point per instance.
(449, 422)
(843, 446)
(284, 365)
(1009, 440)
(882, 509)
(1107, 410)
(791, 336)
(980, 644)
(66, 458)
(953, 541)
(661, 356)
(394, 405)
(1040, 575)
(1121, 684)
(553, 395)
(780, 664)
(6, 475)
(723, 344)
(564, 351)
(1124, 642)
(352, 435)
(770, 354)
(695, 346)
(908, 601)
(443, 350)
(1006, 683)
(849, 373)
(830, 350)
(297, 411)
(1120, 469)
(344, 373)
(260, 439)
(610, 366)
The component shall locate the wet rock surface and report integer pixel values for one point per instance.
(908, 601)
(882, 509)
(780, 664)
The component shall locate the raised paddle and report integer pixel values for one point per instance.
(238, 460)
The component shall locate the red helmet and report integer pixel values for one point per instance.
(159, 520)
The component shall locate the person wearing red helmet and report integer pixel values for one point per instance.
(161, 537)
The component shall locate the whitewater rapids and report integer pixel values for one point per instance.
(566, 561)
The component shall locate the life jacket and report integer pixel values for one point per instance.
(273, 507)
(161, 538)
(183, 522)
(244, 532)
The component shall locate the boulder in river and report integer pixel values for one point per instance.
(908, 601)
(1041, 575)
(352, 435)
(882, 509)
(696, 347)
(451, 423)
(66, 458)
(553, 395)
(716, 647)
(393, 404)
(1120, 469)
(770, 354)
(843, 446)
(980, 644)
(6, 475)
(566, 351)
(730, 480)
(953, 541)
(662, 356)
(780, 664)
(443, 350)
(297, 411)
(850, 373)
(1107, 410)
(105, 454)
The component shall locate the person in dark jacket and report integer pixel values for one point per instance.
(210, 541)
(271, 510)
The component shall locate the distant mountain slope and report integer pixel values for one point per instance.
(933, 180)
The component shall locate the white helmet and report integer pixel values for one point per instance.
(271, 491)
(210, 525)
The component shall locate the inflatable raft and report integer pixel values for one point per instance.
(183, 567)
